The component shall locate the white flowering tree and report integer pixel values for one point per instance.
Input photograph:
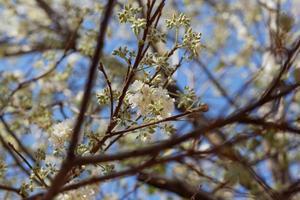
(150, 99)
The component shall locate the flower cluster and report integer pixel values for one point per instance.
(191, 41)
(60, 133)
(83, 193)
(150, 100)
(178, 21)
(129, 14)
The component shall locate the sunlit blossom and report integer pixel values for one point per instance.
(61, 132)
(83, 193)
(144, 97)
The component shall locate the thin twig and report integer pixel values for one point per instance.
(102, 69)
(29, 165)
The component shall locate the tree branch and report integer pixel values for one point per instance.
(59, 179)
(181, 188)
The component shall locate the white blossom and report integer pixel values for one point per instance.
(167, 103)
(83, 193)
(144, 97)
(61, 133)
(136, 86)
(269, 70)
